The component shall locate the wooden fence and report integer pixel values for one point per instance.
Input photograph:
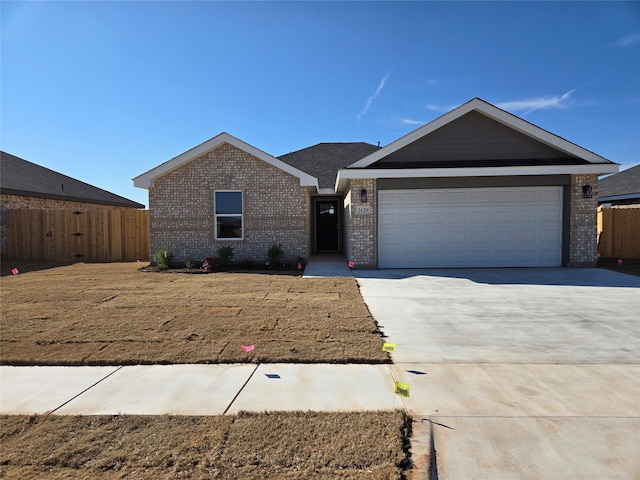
(619, 232)
(95, 235)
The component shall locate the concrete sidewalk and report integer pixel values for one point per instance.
(196, 389)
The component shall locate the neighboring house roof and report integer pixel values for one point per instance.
(146, 179)
(21, 177)
(624, 185)
(400, 159)
(325, 159)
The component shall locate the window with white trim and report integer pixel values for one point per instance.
(228, 208)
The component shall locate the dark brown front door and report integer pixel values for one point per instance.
(327, 226)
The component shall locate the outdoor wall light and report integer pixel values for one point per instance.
(363, 195)
(587, 191)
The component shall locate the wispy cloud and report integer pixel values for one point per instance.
(409, 121)
(632, 39)
(440, 108)
(374, 96)
(532, 104)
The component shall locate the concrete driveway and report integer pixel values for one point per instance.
(517, 373)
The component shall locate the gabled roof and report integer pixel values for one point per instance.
(146, 179)
(21, 177)
(571, 158)
(325, 159)
(494, 113)
(624, 185)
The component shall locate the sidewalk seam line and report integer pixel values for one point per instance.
(83, 391)
(240, 391)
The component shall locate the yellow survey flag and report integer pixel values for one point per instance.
(402, 389)
(389, 347)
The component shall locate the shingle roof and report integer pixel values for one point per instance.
(625, 183)
(325, 159)
(20, 177)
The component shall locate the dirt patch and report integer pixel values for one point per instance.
(113, 314)
(362, 445)
(629, 266)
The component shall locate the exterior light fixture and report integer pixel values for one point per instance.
(587, 191)
(363, 195)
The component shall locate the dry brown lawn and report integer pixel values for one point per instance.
(367, 446)
(114, 314)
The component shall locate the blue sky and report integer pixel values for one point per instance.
(104, 91)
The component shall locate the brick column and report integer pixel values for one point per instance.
(583, 242)
(361, 224)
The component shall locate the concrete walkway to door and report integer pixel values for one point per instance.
(327, 265)
(517, 373)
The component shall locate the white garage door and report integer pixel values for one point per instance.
(470, 227)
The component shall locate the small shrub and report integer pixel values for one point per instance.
(225, 254)
(211, 264)
(190, 264)
(274, 254)
(163, 258)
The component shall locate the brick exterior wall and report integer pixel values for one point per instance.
(583, 230)
(361, 229)
(17, 202)
(275, 208)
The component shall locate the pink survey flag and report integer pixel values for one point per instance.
(15, 271)
(619, 261)
(299, 266)
(247, 348)
(351, 264)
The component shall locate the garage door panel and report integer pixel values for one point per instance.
(389, 197)
(527, 196)
(480, 217)
(456, 217)
(550, 236)
(389, 218)
(481, 197)
(528, 216)
(505, 196)
(480, 236)
(525, 236)
(551, 256)
(412, 218)
(551, 216)
(416, 198)
(482, 227)
(551, 195)
(434, 197)
(461, 196)
(435, 219)
(503, 216)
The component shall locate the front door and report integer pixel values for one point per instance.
(327, 226)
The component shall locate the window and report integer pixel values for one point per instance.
(228, 215)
